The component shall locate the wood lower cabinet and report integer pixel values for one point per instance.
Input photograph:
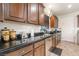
(58, 37)
(1, 12)
(15, 12)
(48, 45)
(39, 49)
(33, 13)
(54, 40)
(29, 53)
(22, 51)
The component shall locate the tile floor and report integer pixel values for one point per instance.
(68, 49)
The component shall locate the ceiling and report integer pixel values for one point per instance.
(62, 8)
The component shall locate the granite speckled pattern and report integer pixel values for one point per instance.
(17, 44)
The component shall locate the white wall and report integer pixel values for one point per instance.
(20, 27)
(68, 25)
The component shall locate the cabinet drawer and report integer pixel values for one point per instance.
(15, 53)
(26, 49)
(29, 53)
(38, 44)
(21, 51)
(39, 51)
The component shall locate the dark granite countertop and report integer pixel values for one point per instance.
(17, 44)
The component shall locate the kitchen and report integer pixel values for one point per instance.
(38, 29)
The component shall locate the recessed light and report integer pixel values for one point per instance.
(69, 6)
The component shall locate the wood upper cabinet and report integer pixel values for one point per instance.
(16, 12)
(19, 12)
(1, 12)
(41, 14)
(52, 22)
(33, 13)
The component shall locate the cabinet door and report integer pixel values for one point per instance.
(46, 21)
(15, 12)
(52, 22)
(33, 13)
(39, 51)
(29, 53)
(48, 45)
(54, 41)
(1, 12)
(42, 50)
(59, 37)
(41, 14)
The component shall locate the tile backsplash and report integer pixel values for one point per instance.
(20, 27)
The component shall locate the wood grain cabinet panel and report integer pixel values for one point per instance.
(42, 50)
(48, 45)
(21, 52)
(54, 40)
(39, 51)
(39, 44)
(41, 14)
(33, 13)
(15, 12)
(39, 48)
(29, 53)
(52, 22)
(1, 12)
(14, 53)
